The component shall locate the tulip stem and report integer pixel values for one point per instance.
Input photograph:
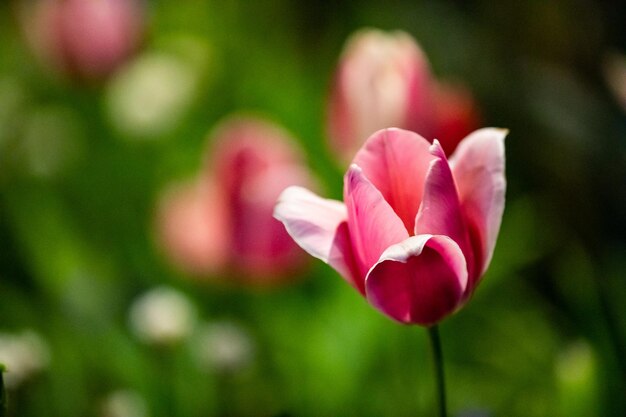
(435, 342)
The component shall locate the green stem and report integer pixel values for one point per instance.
(435, 341)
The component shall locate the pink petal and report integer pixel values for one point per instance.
(372, 222)
(319, 226)
(396, 162)
(440, 212)
(343, 259)
(478, 169)
(420, 280)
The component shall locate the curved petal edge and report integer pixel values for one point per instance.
(373, 224)
(319, 226)
(478, 168)
(418, 281)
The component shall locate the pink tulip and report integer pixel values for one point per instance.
(86, 38)
(383, 79)
(415, 232)
(227, 225)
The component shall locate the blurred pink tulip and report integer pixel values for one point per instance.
(85, 38)
(227, 223)
(415, 232)
(383, 79)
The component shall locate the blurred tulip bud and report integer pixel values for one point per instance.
(85, 38)
(223, 347)
(383, 80)
(456, 115)
(162, 316)
(24, 355)
(224, 222)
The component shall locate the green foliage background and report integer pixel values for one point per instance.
(77, 244)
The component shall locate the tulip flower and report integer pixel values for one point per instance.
(85, 38)
(224, 221)
(416, 231)
(384, 79)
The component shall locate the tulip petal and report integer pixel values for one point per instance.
(319, 226)
(420, 280)
(478, 168)
(440, 212)
(396, 162)
(372, 222)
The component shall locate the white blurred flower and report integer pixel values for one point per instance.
(24, 355)
(223, 347)
(149, 96)
(124, 403)
(163, 315)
